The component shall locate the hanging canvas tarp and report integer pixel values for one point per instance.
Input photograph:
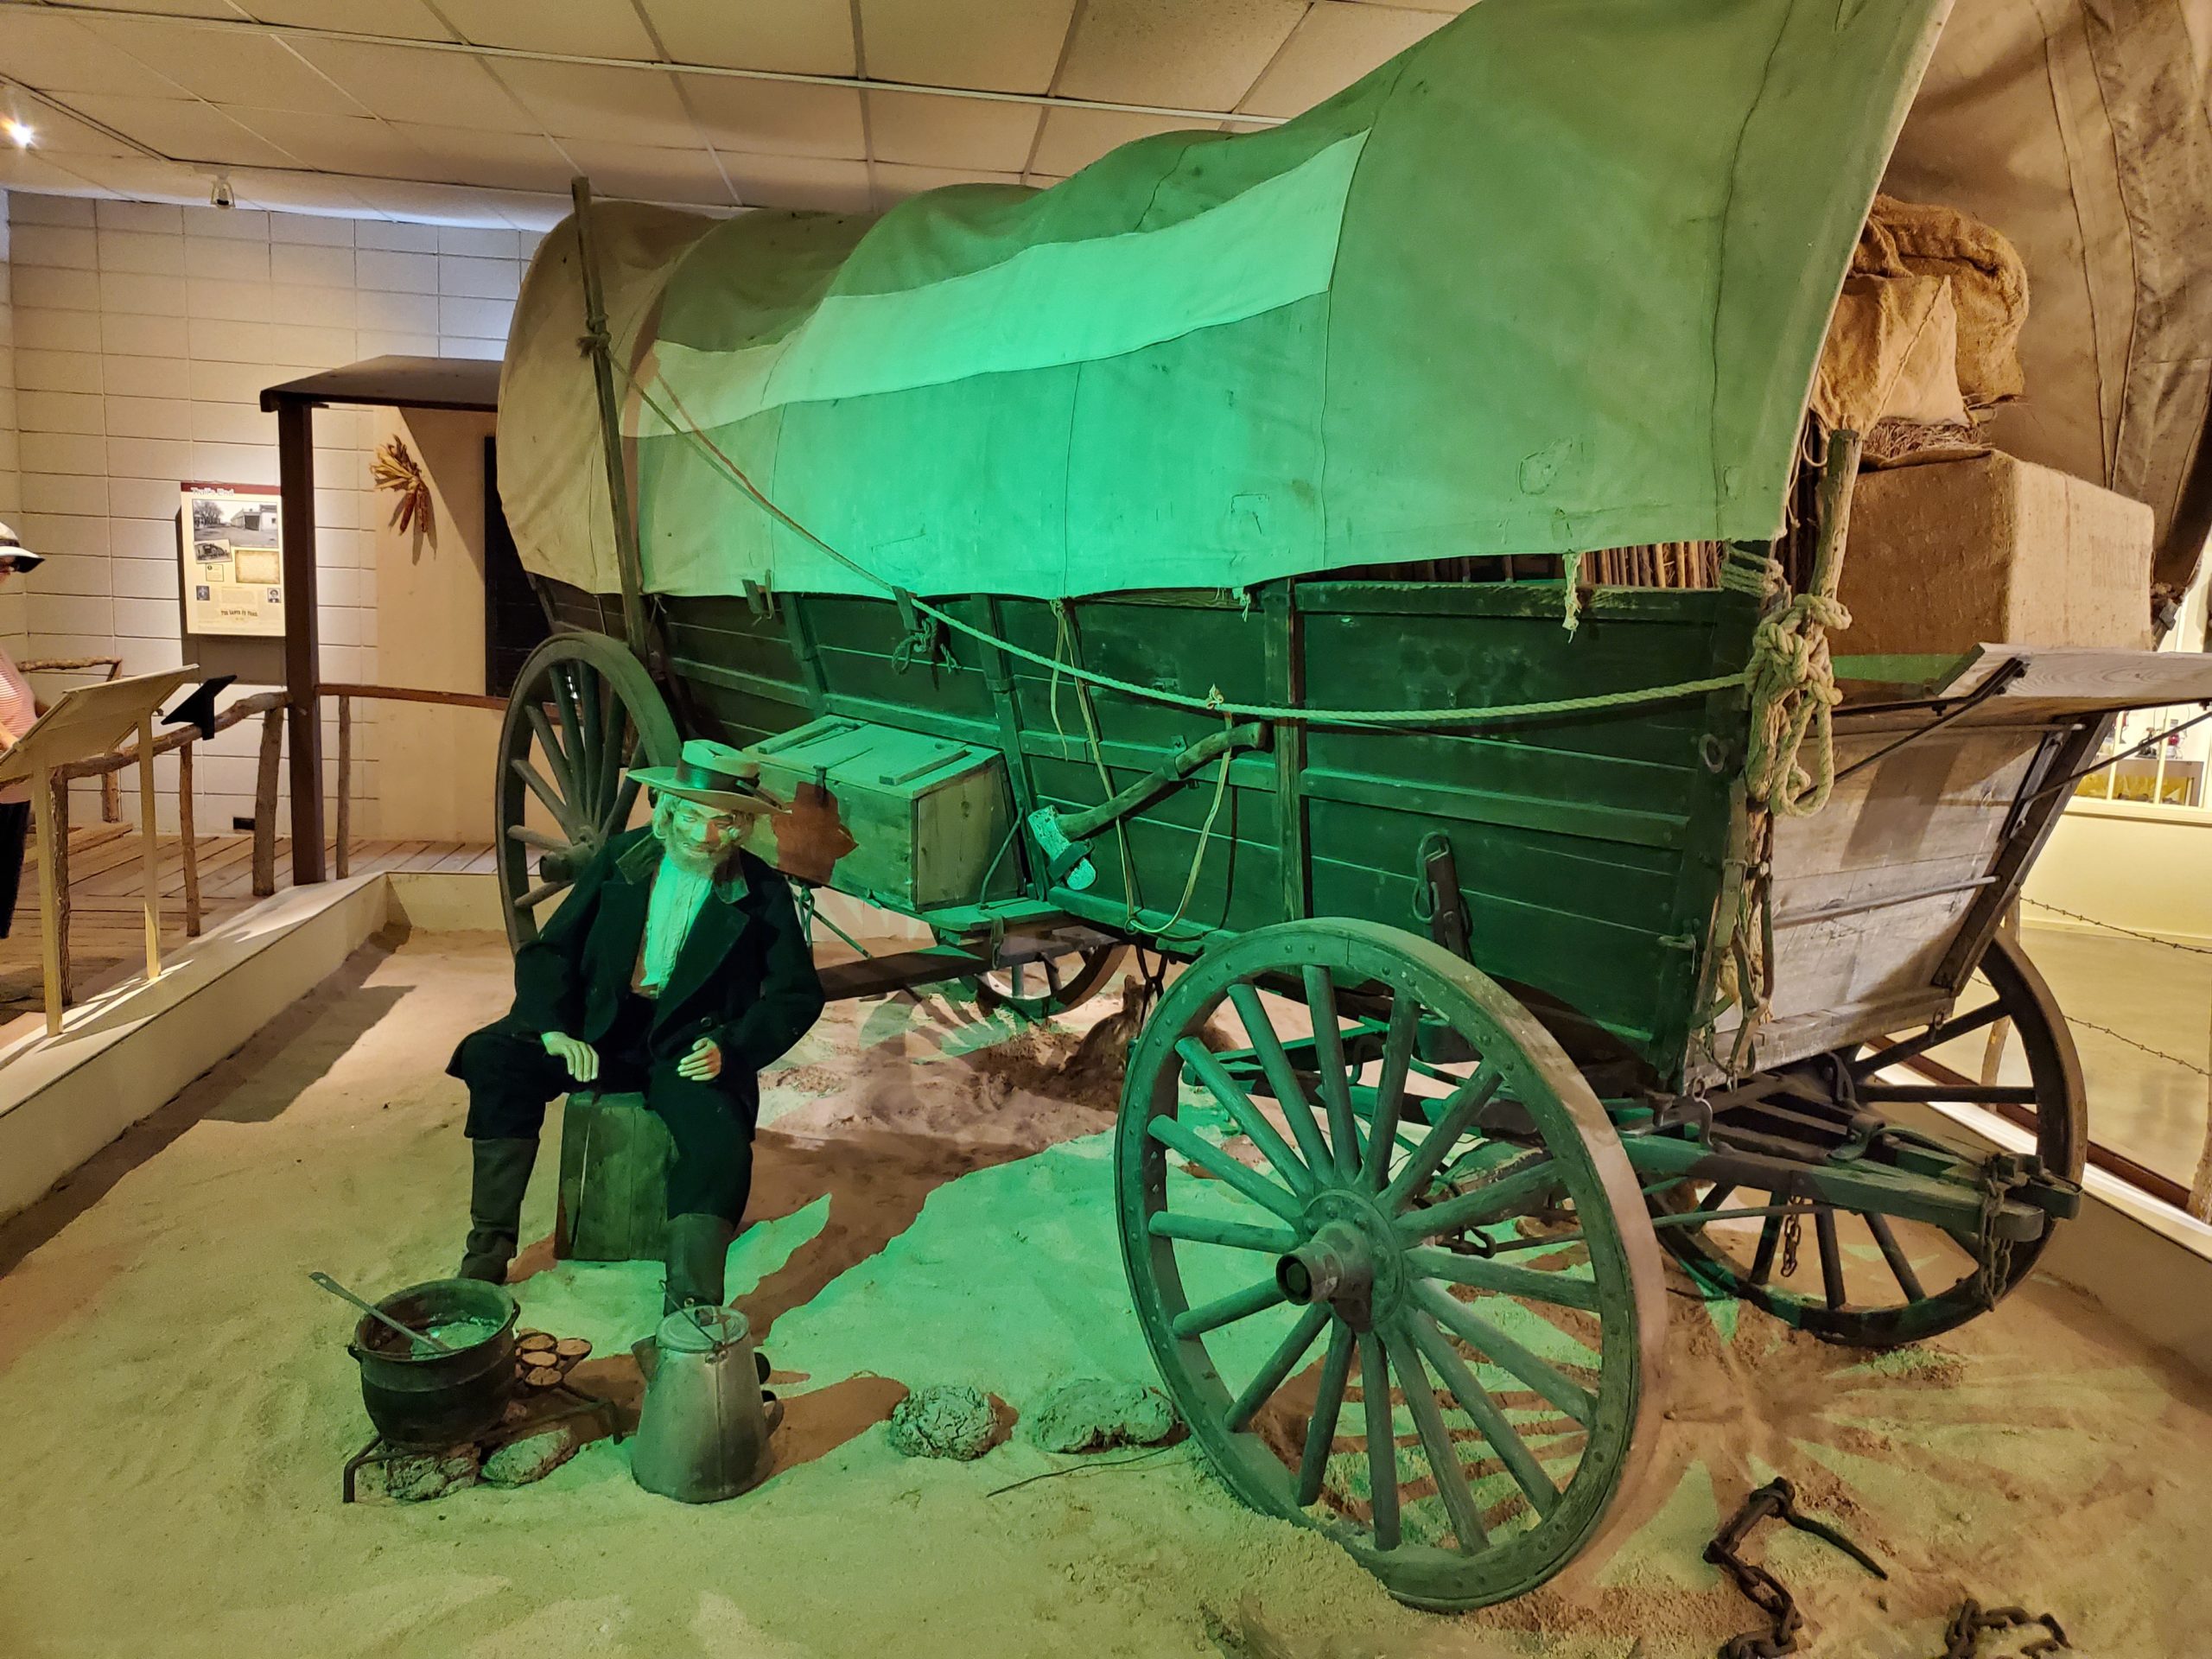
(1553, 279)
(2079, 128)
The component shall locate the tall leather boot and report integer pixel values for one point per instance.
(501, 1175)
(698, 1248)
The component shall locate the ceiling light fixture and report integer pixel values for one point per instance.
(18, 130)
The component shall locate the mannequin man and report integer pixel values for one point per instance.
(676, 966)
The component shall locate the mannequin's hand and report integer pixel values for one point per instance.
(581, 1058)
(703, 1063)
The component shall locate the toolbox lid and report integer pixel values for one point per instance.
(869, 755)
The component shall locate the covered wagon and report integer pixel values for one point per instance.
(1375, 570)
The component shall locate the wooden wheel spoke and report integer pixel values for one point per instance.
(1488, 1202)
(557, 757)
(1382, 1441)
(1831, 1255)
(1275, 1065)
(1280, 1364)
(590, 745)
(1249, 1118)
(1484, 1275)
(1232, 1235)
(1051, 976)
(1390, 1089)
(537, 839)
(1885, 1239)
(1227, 1310)
(1486, 1413)
(1328, 1406)
(618, 816)
(565, 678)
(1962, 1094)
(1443, 1458)
(554, 801)
(1171, 1132)
(1336, 1077)
(538, 895)
(1935, 1036)
(1479, 1333)
(1460, 1109)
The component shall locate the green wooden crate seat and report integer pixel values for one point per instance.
(613, 1193)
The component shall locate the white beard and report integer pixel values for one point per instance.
(691, 862)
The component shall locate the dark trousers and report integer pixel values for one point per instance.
(511, 1079)
(15, 826)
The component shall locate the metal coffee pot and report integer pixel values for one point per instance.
(703, 1433)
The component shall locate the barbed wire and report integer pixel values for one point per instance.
(2115, 927)
(2156, 1053)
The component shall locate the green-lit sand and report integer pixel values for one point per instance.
(178, 1401)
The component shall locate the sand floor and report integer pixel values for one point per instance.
(936, 1199)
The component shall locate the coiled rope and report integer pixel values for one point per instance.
(1792, 680)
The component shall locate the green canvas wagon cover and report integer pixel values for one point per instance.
(1553, 279)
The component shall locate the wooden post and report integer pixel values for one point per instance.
(51, 918)
(59, 788)
(151, 846)
(264, 810)
(2200, 1189)
(628, 569)
(189, 833)
(345, 786)
(303, 641)
(110, 798)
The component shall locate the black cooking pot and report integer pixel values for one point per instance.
(425, 1402)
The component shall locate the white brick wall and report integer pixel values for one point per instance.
(142, 335)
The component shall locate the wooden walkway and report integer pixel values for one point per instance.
(107, 883)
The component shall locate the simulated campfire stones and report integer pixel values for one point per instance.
(1088, 1414)
(532, 1457)
(946, 1420)
(432, 1475)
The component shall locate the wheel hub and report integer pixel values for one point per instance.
(1351, 1262)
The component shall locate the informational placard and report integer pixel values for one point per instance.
(233, 559)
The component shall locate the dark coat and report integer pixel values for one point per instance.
(744, 977)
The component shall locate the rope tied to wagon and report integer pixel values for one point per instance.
(678, 421)
(1791, 676)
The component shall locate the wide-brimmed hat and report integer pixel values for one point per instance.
(713, 774)
(14, 556)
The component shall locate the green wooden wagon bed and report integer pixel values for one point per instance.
(1189, 561)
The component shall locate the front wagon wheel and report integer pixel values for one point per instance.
(1416, 1305)
(582, 711)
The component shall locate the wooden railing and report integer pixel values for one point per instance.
(346, 692)
(269, 705)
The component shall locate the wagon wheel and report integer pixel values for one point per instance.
(1356, 1305)
(582, 709)
(1874, 1281)
(1051, 985)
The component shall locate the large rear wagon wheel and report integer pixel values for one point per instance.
(1877, 1281)
(583, 709)
(1417, 1306)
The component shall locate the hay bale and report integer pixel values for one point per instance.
(1088, 1414)
(947, 1421)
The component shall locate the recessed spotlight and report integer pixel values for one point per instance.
(18, 130)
